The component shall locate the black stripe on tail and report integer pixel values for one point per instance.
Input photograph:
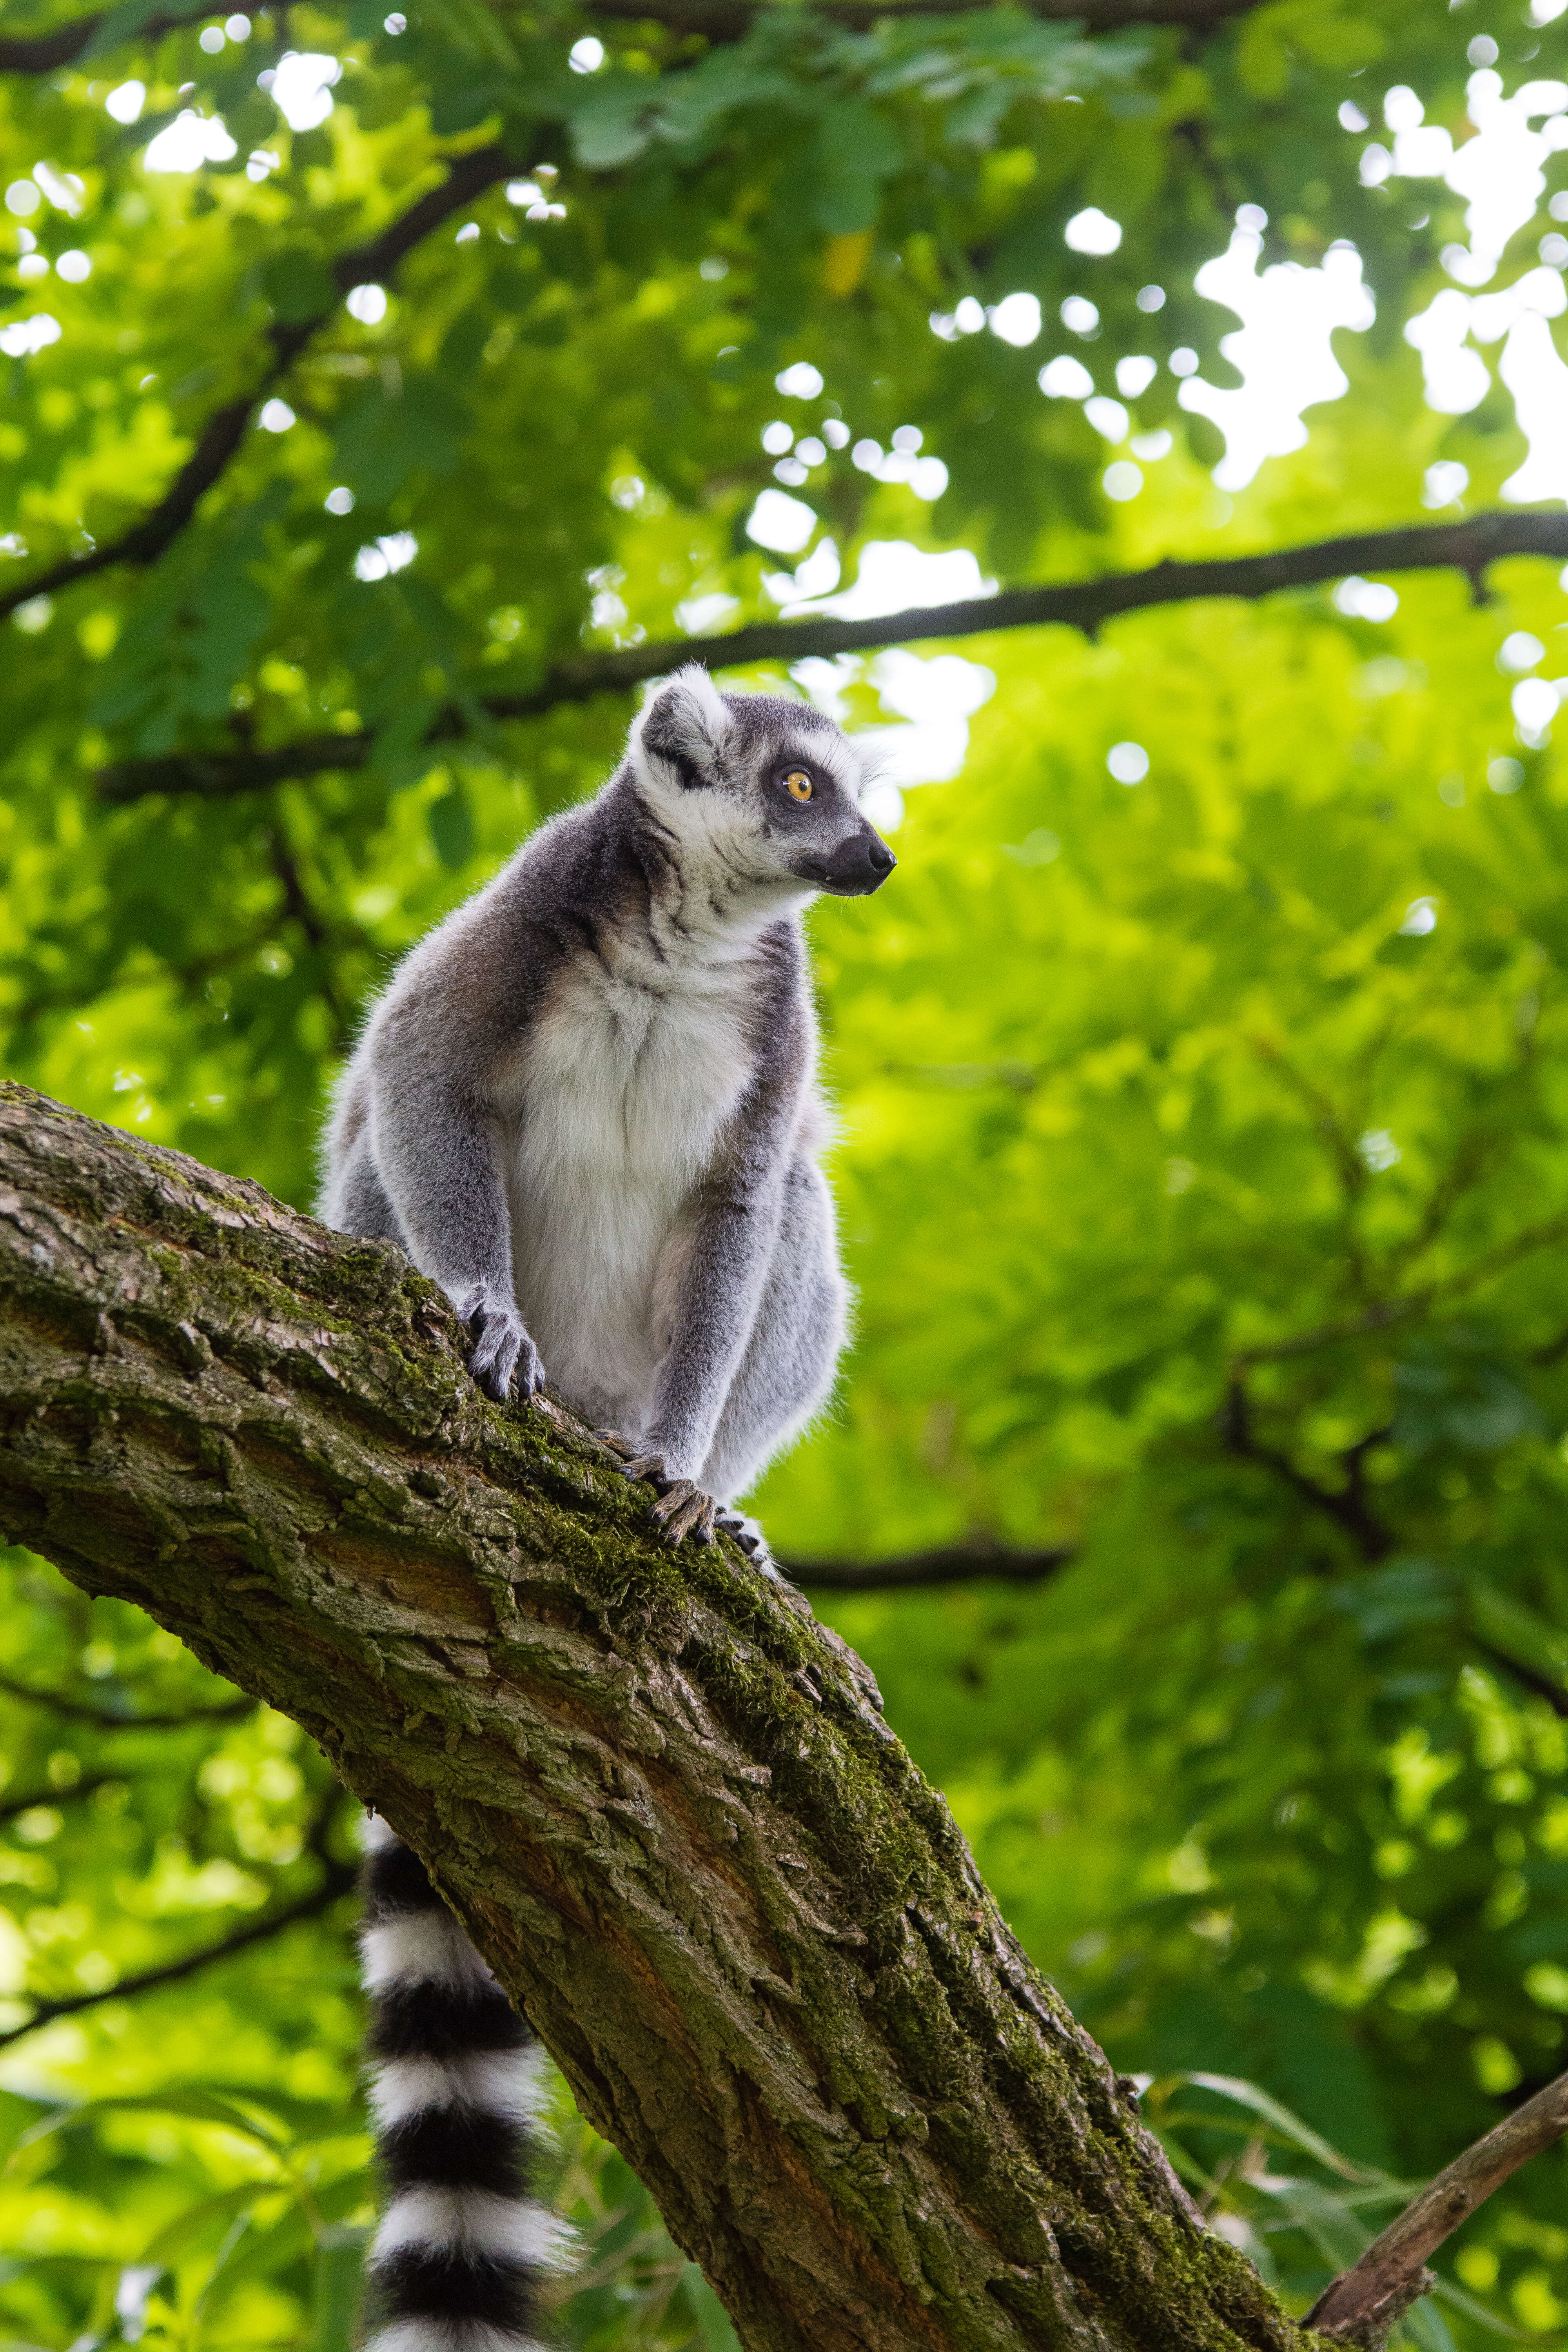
(454, 2086)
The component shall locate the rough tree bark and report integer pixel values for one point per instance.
(661, 1797)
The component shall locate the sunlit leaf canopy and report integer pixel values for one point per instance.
(1203, 1072)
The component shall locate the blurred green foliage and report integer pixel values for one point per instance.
(1205, 1158)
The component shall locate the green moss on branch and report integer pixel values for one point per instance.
(660, 1795)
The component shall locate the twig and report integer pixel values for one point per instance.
(1387, 1311)
(1079, 603)
(339, 1878)
(12, 1807)
(221, 437)
(297, 903)
(1362, 2305)
(1347, 1507)
(962, 1564)
(79, 1710)
(1529, 1678)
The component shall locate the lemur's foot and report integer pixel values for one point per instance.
(683, 1507)
(744, 1532)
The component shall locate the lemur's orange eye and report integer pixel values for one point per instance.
(798, 784)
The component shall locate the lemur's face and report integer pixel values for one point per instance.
(768, 787)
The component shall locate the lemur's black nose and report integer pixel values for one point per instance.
(859, 865)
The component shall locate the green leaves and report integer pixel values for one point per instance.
(298, 284)
(415, 424)
(855, 151)
(1203, 1218)
(1462, 1390)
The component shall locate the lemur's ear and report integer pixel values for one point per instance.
(680, 736)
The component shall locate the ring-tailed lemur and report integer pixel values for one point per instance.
(587, 1106)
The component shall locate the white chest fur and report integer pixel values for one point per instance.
(620, 1100)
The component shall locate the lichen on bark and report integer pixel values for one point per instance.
(660, 1795)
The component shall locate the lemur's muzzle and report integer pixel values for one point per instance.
(853, 869)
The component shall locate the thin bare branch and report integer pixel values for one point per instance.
(1469, 546)
(959, 1564)
(222, 435)
(1363, 2305)
(338, 1880)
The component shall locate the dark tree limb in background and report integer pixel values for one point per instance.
(27, 1800)
(970, 1563)
(1530, 1679)
(1468, 546)
(717, 20)
(38, 53)
(660, 1795)
(337, 1881)
(80, 1711)
(1347, 1506)
(223, 431)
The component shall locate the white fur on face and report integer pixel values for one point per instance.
(705, 780)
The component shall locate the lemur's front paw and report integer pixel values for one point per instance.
(499, 1349)
(683, 1508)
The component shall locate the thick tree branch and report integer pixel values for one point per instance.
(221, 437)
(338, 1880)
(661, 1797)
(1468, 546)
(959, 1564)
(1363, 2305)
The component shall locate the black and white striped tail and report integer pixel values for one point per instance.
(454, 2082)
